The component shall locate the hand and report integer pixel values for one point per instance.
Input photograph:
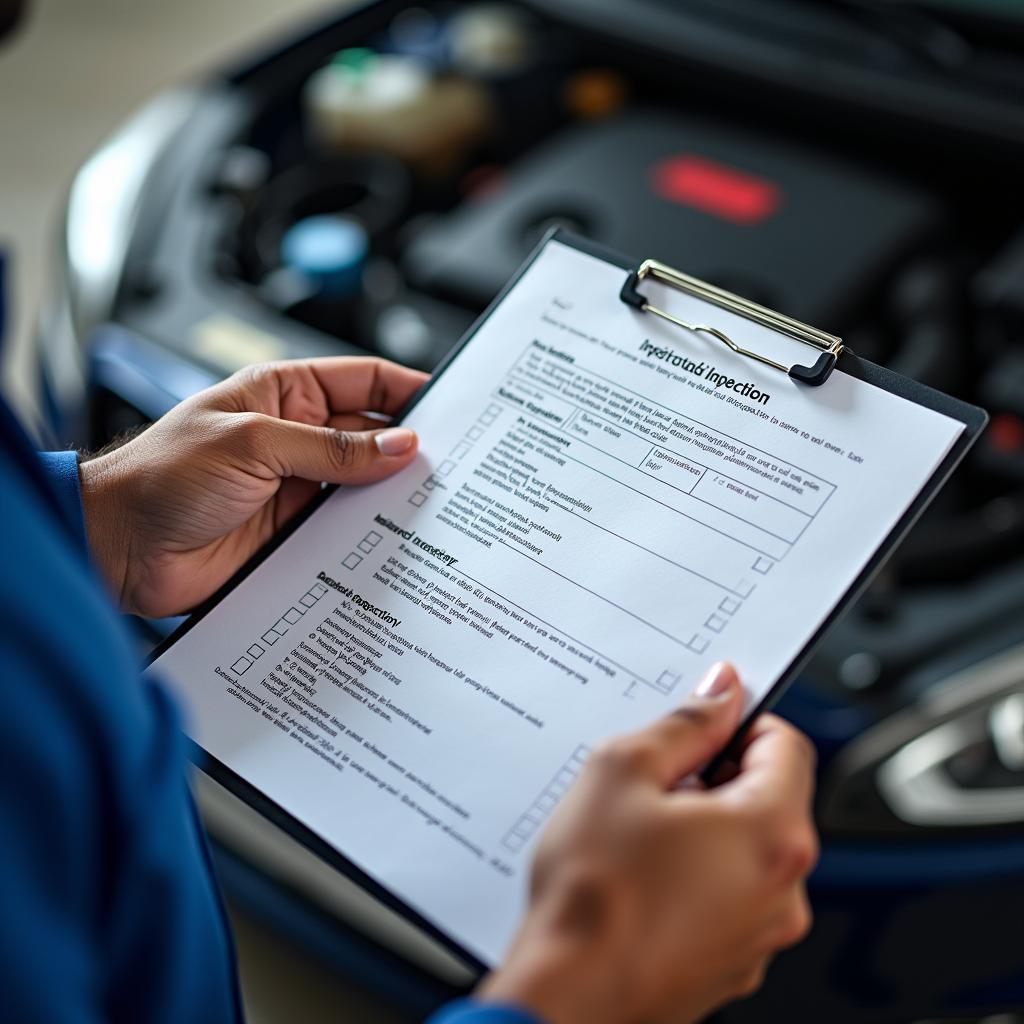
(651, 902)
(172, 514)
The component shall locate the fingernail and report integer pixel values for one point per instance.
(718, 682)
(396, 441)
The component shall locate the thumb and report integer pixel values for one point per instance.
(336, 456)
(687, 738)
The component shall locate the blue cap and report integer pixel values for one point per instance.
(328, 249)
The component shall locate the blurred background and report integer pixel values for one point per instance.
(68, 78)
(188, 188)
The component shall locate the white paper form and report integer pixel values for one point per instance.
(602, 507)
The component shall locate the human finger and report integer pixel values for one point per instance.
(290, 449)
(365, 383)
(775, 759)
(681, 742)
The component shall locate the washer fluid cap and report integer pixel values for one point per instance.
(328, 249)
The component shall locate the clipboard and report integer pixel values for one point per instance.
(830, 356)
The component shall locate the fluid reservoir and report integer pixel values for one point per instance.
(364, 101)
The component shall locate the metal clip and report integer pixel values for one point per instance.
(828, 345)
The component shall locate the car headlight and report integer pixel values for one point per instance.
(954, 760)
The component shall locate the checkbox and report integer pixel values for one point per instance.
(308, 600)
(281, 626)
(699, 644)
(417, 498)
(446, 467)
(729, 605)
(430, 483)
(666, 680)
(514, 842)
(373, 538)
(241, 665)
(492, 411)
(763, 566)
(716, 623)
(352, 560)
(475, 433)
(318, 590)
(293, 615)
(256, 651)
(744, 588)
(365, 547)
(270, 637)
(461, 450)
(546, 803)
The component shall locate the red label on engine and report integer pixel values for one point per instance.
(716, 189)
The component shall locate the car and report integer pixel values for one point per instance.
(369, 185)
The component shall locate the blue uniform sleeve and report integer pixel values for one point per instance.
(110, 914)
(469, 1011)
(62, 470)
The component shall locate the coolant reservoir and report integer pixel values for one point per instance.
(364, 101)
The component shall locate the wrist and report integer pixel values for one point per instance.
(107, 520)
(559, 981)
